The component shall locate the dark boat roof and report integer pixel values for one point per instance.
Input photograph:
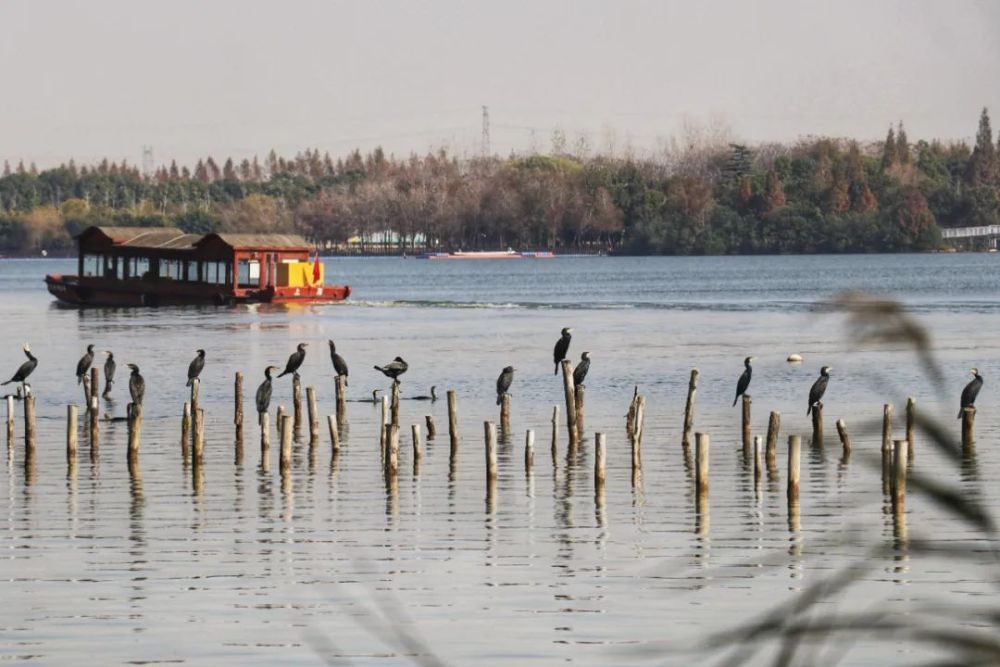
(174, 239)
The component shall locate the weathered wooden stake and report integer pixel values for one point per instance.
(900, 450)
(29, 423)
(287, 426)
(580, 392)
(600, 456)
(265, 441)
(630, 417)
(417, 447)
(331, 423)
(186, 431)
(453, 424)
(382, 442)
(887, 427)
(758, 460)
(238, 413)
(701, 447)
(490, 430)
(297, 403)
(313, 416)
(395, 404)
(95, 384)
(794, 459)
(10, 422)
(71, 429)
(95, 430)
(340, 386)
(817, 420)
(392, 455)
(845, 439)
(86, 389)
(198, 451)
(689, 408)
(968, 427)
(570, 393)
(773, 427)
(431, 427)
(134, 432)
(911, 418)
(529, 450)
(636, 441)
(747, 439)
(505, 413)
(555, 432)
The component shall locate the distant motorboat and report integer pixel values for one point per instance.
(490, 254)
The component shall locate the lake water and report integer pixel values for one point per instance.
(333, 568)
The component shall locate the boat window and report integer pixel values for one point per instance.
(120, 268)
(192, 271)
(216, 273)
(109, 266)
(170, 269)
(138, 268)
(248, 273)
(92, 265)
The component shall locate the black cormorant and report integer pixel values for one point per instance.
(339, 365)
(432, 397)
(109, 372)
(83, 366)
(744, 382)
(295, 360)
(971, 391)
(394, 368)
(503, 382)
(136, 385)
(264, 391)
(818, 388)
(195, 367)
(562, 347)
(582, 368)
(26, 369)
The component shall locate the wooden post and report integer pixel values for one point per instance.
(331, 423)
(313, 415)
(392, 455)
(195, 390)
(580, 392)
(490, 430)
(453, 423)
(555, 432)
(845, 439)
(340, 385)
(186, 431)
(29, 423)
(195, 425)
(505, 413)
(71, 429)
(773, 427)
(636, 441)
(968, 427)
(794, 459)
(758, 460)
(529, 450)
(431, 427)
(817, 420)
(887, 427)
(134, 432)
(900, 450)
(570, 393)
(911, 417)
(86, 389)
(238, 413)
(198, 452)
(701, 447)
(265, 441)
(287, 426)
(630, 417)
(95, 384)
(600, 455)
(95, 429)
(415, 435)
(10, 422)
(382, 442)
(395, 403)
(689, 408)
(747, 440)
(297, 403)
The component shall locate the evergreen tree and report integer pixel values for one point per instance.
(983, 163)
(228, 170)
(6, 169)
(774, 193)
(889, 157)
(174, 172)
(902, 145)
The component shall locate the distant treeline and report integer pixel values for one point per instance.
(709, 196)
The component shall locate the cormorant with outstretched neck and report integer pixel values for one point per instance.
(109, 372)
(83, 366)
(971, 391)
(818, 388)
(26, 369)
(339, 365)
(394, 368)
(503, 382)
(433, 397)
(562, 347)
(195, 367)
(295, 360)
(581, 370)
(136, 385)
(744, 382)
(264, 391)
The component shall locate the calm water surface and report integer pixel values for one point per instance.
(240, 567)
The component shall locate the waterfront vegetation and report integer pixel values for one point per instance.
(705, 194)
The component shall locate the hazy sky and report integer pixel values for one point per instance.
(226, 77)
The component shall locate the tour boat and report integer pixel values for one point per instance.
(156, 266)
(490, 254)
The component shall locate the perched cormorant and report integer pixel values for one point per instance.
(582, 368)
(136, 385)
(194, 369)
(744, 382)
(295, 360)
(503, 382)
(26, 369)
(264, 391)
(562, 347)
(394, 368)
(83, 366)
(339, 365)
(971, 391)
(818, 388)
(109, 372)
(433, 397)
